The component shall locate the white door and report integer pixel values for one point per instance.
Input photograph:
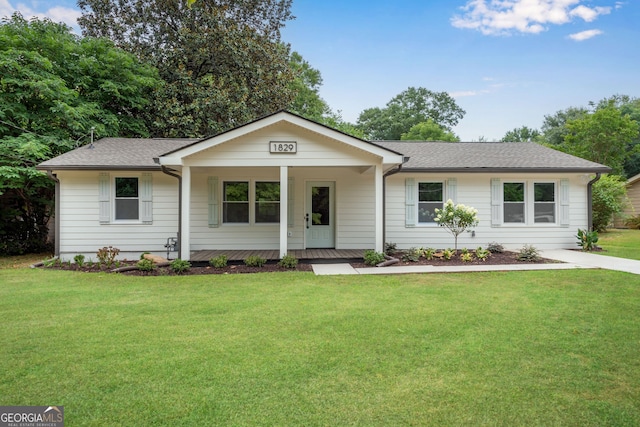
(319, 215)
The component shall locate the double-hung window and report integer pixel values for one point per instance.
(267, 196)
(530, 202)
(235, 205)
(430, 198)
(127, 201)
(514, 202)
(239, 196)
(544, 203)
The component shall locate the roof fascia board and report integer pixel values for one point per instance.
(506, 170)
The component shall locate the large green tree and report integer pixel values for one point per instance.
(602, 136)
(554, 128)
(55, 87)
(429, 131)
(407, 109)
(222, 60)
(521, 134)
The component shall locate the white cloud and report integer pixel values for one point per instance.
(585, 35)
(589, 14)
(466, 93)
(503, 17)
(66, 15)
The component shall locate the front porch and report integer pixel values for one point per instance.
(271, 255)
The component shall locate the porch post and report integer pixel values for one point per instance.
(185, 241)
(379, 214)
(284, 210)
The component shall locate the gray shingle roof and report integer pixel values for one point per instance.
(114, 153)
(138, 153)
(488, 156)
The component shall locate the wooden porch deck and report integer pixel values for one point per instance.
(302, 254)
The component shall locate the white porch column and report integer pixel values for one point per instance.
(284, 210)
(185, 241)
(379, 214)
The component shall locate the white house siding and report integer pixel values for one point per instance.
(82, 233)
(475, 190)
(354, 208)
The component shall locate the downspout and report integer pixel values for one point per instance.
(56, 213)
(384, 197)
(590, 201)
(170, 173)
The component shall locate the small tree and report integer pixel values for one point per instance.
(456, 219)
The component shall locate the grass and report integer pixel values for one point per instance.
(620, 243)
(525, 348)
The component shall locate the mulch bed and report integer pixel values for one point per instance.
(502, 258)
(194, 270)
(272, 267)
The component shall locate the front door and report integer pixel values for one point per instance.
(319, 215)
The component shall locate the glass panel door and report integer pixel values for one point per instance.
(319, 215)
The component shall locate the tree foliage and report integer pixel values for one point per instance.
(222, 60)
(429, 131)
(521, 134)
(413, 106)
(609, 197)
(602, 136)
(54, 87)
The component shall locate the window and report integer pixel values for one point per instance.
(514, 206)
(544, 205)
(430, 197)
(127, 202)
(235, 206)
(267, 201)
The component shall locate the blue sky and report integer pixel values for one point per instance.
(507, 62)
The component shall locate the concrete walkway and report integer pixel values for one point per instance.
(570, 260)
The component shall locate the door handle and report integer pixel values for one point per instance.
(306, 218)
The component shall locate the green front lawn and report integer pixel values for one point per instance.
(527, 348)
(620, 243)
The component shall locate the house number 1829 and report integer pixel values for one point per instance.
(283, 147)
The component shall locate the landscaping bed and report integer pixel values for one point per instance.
(498, 258)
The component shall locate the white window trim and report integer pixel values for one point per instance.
(252, 202)
(417, 207)
(138, 221)
(529, 203)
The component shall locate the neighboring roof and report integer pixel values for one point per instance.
(633, 179)
(116, 153)
(488, 157)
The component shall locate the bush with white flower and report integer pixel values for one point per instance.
(456, 218)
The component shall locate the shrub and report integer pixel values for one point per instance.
(390, 248)
(372, 257)
(464, 251)
(587, 239)
(255, 261)
(79, 260)
(146, 265)
(107, 255)
(412, 255)
(428, 253)
(447, 254)
(609, 195)
(288, 261)
(482, 254)
(528, 253)
(219, 262)
(495, 248)
(466, 257)
(180, 266)
(633, 222)
(456, 219)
